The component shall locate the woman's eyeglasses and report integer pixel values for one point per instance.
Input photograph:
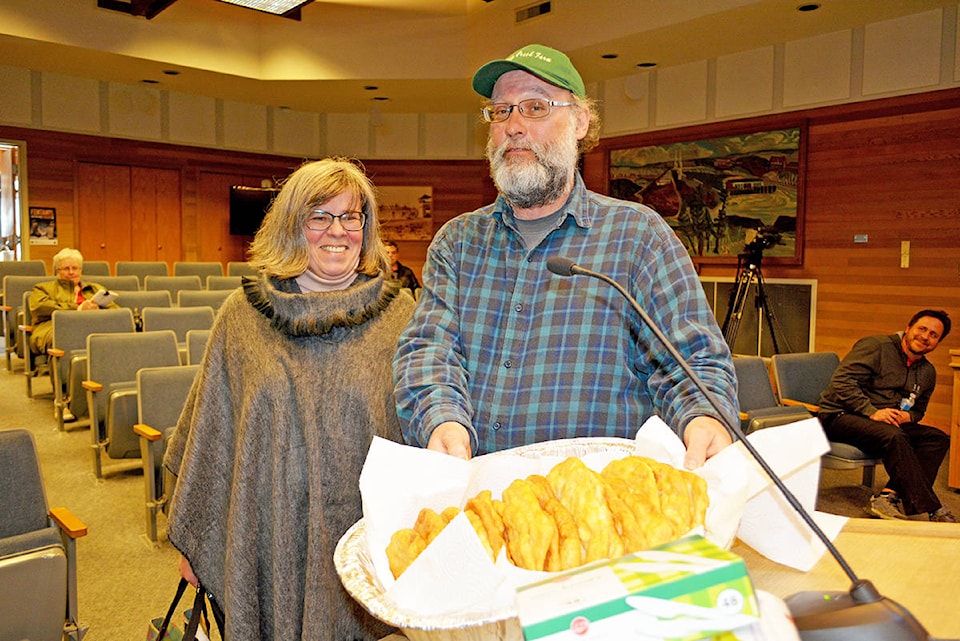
(321, 220)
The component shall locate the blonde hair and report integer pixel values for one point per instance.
(67, 252)
(280, 246)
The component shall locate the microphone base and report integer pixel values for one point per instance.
(835, 616)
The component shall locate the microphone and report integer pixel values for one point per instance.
(859, 614)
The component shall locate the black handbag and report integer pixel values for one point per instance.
(198, 611)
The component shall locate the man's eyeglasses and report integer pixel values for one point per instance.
(321, 220)
(532, 108)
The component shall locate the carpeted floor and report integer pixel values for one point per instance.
(125, 580)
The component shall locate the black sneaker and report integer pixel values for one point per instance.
(887, 505)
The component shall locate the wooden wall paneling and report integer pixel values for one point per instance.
(143, 214)
(213, 218)
(190, 178)
(103, 212)
(168, 221)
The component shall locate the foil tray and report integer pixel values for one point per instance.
(355, 566)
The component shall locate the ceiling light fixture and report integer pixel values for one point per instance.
(809, 6)
(276, 7)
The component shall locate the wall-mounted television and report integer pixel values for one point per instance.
(248, 206)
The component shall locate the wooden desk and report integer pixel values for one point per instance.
(915, 563)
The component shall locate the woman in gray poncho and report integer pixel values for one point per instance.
(295, 383)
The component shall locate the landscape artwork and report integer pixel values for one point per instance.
(406, 213)
(724, 197)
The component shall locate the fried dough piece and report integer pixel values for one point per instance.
(634, 482)
(531, 533)
(429, 524)
(629, 525)
(404, 547)
(581, 491)
(449, 513)
(570, 549)
(644, 527)
(674, 496)
(683, 496)
(481, 531)
(482, 505)
(699, 497)
(639, 476)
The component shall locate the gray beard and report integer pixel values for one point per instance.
(538, 182)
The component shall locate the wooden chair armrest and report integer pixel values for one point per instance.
(93, 386)
(147, 432)
(810, 407)
(6, 308)
(70, 524)
(28, 329)
(744, 416)
(56, 353)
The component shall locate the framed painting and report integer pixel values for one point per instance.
(406, 213)
(726, 197)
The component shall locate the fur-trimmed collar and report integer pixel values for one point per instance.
(317, 314)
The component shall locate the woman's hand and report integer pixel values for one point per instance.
(187, 572)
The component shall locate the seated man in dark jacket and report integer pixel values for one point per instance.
(876, 400)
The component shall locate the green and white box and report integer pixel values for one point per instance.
(681, 591)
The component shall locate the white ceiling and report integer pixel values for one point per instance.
(419, 54)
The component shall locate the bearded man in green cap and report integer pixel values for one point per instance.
(501, 352)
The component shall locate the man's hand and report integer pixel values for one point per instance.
(704, 437)
(88, 305)
(451, 438)
(890, 415)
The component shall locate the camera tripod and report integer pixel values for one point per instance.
(748, 273)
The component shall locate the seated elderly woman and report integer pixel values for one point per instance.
(68, 291)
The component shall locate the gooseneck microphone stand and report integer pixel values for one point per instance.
(861, 614)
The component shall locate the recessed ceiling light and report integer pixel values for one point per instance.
(380, 98)
(150, 81)
(610, 56)
(809, 6)
(646, 65)
(371, 88)
(171, 72)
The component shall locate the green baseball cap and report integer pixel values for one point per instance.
(543, 62)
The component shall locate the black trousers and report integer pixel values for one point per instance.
(911, 453)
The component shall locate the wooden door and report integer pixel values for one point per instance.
(103, 200)
(155, 214)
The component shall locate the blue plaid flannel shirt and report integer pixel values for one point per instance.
(520, 355)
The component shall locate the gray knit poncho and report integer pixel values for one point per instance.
(269, 447)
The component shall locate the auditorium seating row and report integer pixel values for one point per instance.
(97, 270)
